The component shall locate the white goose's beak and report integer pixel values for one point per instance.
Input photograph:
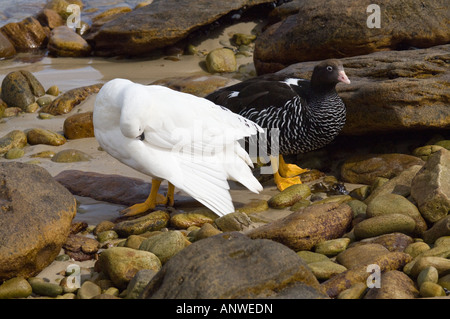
(342, 77)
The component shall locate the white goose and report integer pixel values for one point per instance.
(169, 135)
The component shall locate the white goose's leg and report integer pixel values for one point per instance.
(153, 199)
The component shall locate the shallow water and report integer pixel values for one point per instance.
(17, 10)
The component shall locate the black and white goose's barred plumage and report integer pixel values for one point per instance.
(308, 113)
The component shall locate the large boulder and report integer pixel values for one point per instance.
(231, 265)
(393, 90)
(35, 219)
(159, 24)
(342, 28)
(26, 35)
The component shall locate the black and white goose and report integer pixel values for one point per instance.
(308, 114)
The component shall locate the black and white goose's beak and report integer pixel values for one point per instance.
(141, 137)
(342, 77)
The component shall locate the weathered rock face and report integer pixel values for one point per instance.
(430, 188)
(340, 29)
(160, 24)
(393, 90)
(36, 214)
(248, 269)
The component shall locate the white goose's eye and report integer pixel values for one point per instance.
(329, 68)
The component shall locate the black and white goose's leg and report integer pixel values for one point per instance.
(153, 199)
(280, 168)
(289, 170)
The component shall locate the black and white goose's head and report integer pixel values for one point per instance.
(327, 74)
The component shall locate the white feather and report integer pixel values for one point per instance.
(189, 141)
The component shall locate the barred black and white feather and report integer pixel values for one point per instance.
(308, 114)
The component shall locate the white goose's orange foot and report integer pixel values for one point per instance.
(153, 199)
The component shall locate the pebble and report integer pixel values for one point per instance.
(392, 241)
(44, 154)
(16, 287)
(15, 153)
(103, 226)
(14, 139)
(444, 281)
(356, 291)
(394, 285)
(289, 196)
(33, 107)
(312, 257)
(241, 38)
(440, 229)
(303, 229)
(53, 90)
(43, 288)
(88, 290)
(254, 206)
(384, 224)
(45, 116)
(121, 264)
(165, 245)
(43, 101)
(332, 247)
(154, 221)
(221, 60)
(195, 218)
(12, 111)
(207, 230)
(441, 264)
(42, 136)
(71, 155)
(236, 221)
(302, 203)
(134, 241)
(415, 249)
(79, 125)
(68, 285)
(324, 270)
(431, 289)
(424, 152)
(428, 274)
(107, 235)
(361, 254)
(64, 103)
(138, 283)
(396, 204)
(358, 207)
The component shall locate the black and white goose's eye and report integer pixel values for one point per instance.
(329, 68)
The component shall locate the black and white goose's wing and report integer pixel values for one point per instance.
(268, 91)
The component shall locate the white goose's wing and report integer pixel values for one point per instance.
(195, 139)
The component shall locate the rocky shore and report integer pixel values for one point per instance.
(370, 221)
